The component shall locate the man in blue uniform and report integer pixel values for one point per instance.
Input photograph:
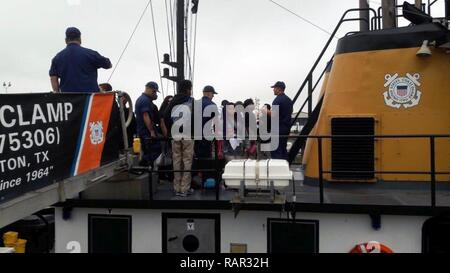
(148, 123)
(284, 116)
(74, 69)
(203, 148)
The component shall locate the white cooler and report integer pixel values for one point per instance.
(7, 250)
(256, 173)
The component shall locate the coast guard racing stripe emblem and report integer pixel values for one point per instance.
(92, 137)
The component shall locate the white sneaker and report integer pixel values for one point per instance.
(181, 194)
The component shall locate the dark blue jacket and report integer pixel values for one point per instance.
(144, 104)
(76, 67)
(285, 108)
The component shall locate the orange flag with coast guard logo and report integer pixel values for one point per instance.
(93, 137)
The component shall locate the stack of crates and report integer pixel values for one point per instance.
(11, 239)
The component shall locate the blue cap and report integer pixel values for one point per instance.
(152, 85)
(73, 33)
(280, 85)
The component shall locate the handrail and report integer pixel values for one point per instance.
(432, 172)
(379, 16)
(309, 78)
(321, 171)
(374, 24)
(125, 123)
(216, 170)
(309, 96)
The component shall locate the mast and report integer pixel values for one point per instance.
(447, 9)
(418, 4)
(179, 64)
(364, 14)
(389, 13)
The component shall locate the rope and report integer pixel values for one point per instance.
(302, 18)
(129, 40)
(156, 46)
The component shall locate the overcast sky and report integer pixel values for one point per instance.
(243, 46)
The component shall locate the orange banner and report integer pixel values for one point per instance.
(94, 136)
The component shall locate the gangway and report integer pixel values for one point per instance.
(65, 143)
(31, 202)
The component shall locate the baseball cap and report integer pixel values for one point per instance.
(73, 33)
(281, 85)
(153, 85)
(209, 88)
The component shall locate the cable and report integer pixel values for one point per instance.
(172, 11)
(186, 42)
(190, 41)
(129, 40)
(302, 18)
(168, 28)
(195, 47)
(156, 46)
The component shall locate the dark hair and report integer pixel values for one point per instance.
(248, 102)
(268, 106)
(164, 104)
(106, 86)
(224, 103)
(184, 86)
(238, 103)
(73, 34)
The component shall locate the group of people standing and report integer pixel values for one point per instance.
(154, 124)
(74, 69)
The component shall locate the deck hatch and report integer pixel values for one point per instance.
(352, 154)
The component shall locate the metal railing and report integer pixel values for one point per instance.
(216, 171)
(374, 24)
(308, 82)
(379, 15)
(432, 159)
(321, 170)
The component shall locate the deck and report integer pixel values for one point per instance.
(129, 190)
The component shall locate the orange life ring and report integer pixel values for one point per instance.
(371, 247)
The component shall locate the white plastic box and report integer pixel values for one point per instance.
(7, 250)
(256, 173)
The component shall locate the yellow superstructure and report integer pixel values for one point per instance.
(404, 94)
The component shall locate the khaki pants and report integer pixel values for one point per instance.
(182, 156)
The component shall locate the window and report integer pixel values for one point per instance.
(288, 236)
(436, 236)
(109, 234)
